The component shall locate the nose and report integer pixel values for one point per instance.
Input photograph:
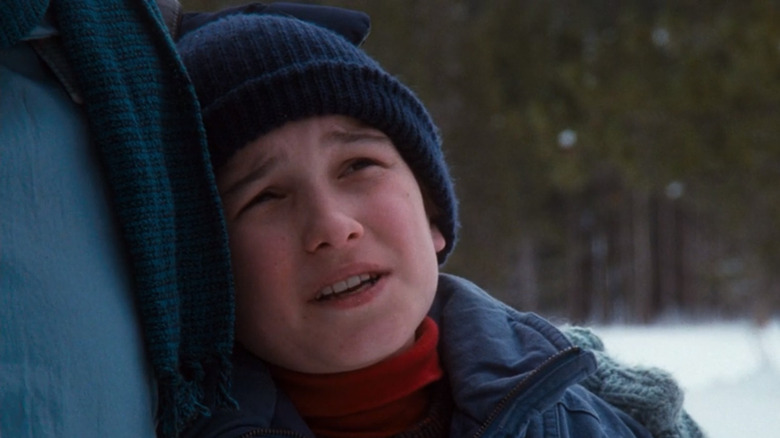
(329, 223)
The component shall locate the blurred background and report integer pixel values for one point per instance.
(616, 161)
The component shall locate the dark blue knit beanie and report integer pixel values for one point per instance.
(254, 73)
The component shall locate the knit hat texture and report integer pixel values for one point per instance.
(254, 73)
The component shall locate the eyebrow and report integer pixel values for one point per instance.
(336, 136)
(355, 136)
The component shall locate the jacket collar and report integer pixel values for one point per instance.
(499, 360)
(256, 393)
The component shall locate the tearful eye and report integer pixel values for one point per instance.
(360, 164)
(263, 198)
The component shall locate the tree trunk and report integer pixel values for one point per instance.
(642, 259)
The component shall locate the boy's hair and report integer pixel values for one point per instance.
(254, 73)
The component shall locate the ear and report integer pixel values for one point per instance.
(439, 242)
(432, 211)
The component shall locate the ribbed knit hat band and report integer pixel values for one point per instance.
(254, 73)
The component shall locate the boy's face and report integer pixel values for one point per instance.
(333, 253)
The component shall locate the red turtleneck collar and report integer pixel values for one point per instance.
(381, 400)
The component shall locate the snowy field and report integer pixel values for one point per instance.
(729, 370)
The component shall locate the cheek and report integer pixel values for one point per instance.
(257, 251)
(261, 265)
(245, 253)
(261, 273)
(407, 228)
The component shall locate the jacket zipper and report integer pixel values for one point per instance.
(270, 432)
(521, 385)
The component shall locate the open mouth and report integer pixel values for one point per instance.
(350, 285)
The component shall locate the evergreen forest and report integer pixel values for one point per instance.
(615, 161)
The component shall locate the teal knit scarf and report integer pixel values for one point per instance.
(144, 118)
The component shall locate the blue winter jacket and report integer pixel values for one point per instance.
(512, 374)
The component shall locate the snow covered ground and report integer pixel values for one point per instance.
(729, 370)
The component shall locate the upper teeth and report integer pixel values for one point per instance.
(341, 286)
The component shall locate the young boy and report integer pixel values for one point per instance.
(340, 209)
